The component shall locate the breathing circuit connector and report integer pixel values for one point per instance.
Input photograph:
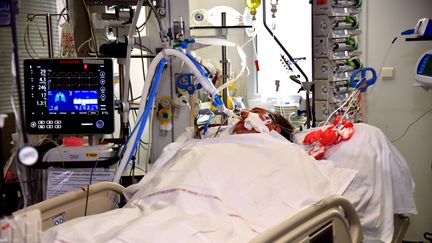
(184, 44)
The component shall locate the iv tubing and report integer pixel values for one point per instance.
(205, 82)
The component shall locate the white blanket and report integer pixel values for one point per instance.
(227, 189)
(383, 186)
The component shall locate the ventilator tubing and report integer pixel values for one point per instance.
(204, 81)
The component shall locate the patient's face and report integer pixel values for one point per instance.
(239, 128)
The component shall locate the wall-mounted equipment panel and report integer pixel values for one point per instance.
(336, 30)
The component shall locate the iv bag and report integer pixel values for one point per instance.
(67, 41)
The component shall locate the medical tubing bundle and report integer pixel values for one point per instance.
(147, 110)
(147, 103)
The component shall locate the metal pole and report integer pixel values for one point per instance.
(49, 36)
(308, 106)
(17, 72)
(124, 117)
(224, 63)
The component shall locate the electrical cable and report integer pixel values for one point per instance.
(134, 99)
(383, 62)
(93, 37)
(27, 36)
(144, 47)
(410, 125)
(82, 44)
(141, 27)
(88, 186)
(139, 168)
(142, 54)
(161, 27)
(25, 39)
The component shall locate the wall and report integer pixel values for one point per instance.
(394, 104)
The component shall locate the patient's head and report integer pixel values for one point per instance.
(273, 121)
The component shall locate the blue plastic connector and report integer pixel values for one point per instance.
(408, 32)
(217, 101)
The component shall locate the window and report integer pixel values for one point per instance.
(26, 7)
(293, 29)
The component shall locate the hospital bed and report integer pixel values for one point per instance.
(99, 198)
(316, 221)
(323, 221)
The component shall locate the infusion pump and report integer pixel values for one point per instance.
(424, 70)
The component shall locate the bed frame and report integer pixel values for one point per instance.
(320, 222)
(71, 205)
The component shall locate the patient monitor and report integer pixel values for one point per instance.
(69, 96)
(424, 70)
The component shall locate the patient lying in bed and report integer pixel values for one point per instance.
(229, 189)
(383, 185)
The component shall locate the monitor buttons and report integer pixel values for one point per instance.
(57, 122)
(41, 122)
(33, 124)
(41, 126)
(100, 124)
(103, 97)
(57, 126)
(102, 73)
(102, 81)
(49, 126)
(102, 89)
(49, 122)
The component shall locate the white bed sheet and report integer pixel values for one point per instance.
(193, 192)
(227, 189)
(383, 186)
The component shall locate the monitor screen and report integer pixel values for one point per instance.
(69, 96)
(73, 100)
(428, 67)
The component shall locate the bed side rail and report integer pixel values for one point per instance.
(71, 205)
(320, 222)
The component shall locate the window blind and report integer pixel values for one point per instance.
(26, 7)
